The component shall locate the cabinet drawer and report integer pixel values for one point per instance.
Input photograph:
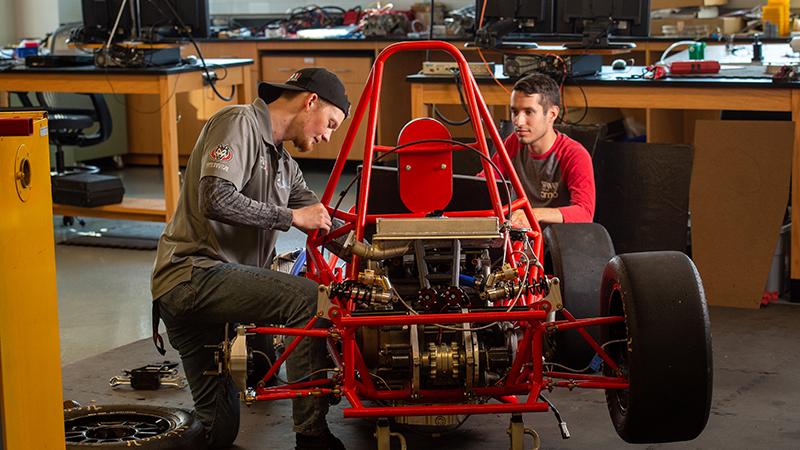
(348, 69)
(279, 68)
(224, 49)
(212, 103)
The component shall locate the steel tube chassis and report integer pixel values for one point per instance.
(527, 375)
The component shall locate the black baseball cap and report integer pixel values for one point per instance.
(314, 79)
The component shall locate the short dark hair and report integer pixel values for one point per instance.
(291, 95)
(546, 87)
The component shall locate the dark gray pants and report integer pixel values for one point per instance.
(195, 313)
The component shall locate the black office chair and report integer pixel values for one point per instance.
(588, 135)
(72, 126)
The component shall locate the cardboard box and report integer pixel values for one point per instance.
(725, 25)
(664, 4)
(732, 224)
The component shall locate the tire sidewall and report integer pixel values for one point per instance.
(668, 349)
(578, 253)
(185, 432)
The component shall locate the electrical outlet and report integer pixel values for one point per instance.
(209, 77)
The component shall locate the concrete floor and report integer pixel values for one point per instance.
(104, 312)
(756, 400)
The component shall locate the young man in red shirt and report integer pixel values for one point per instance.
(555, 171)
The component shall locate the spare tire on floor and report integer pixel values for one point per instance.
(663, 347)
(132, 426)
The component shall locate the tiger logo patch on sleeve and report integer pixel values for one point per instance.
(222, 152)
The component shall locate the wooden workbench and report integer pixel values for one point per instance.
(160, 83)
(278, 58)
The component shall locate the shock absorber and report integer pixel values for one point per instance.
(351, 290)
(539, 286)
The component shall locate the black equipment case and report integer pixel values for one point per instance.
(87, 189)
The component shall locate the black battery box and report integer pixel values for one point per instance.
(87, 189)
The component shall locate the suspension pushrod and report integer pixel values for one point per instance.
(511, 316)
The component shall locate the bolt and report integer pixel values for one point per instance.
(444, 166)
(408, 166)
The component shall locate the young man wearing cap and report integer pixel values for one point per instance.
(556, 171)
(240, 188)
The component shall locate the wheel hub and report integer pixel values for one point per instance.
(109, 428)
(111, 432)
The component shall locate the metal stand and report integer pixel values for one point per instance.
(384, 435)
(517, 432)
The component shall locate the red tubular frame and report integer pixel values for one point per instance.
(527, 375)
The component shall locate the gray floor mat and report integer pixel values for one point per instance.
(136, 236)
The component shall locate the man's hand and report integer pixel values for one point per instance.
(519, 220)
(542, 215)
(312, 217)
(548, 215)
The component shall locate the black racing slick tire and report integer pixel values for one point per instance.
(663, 347)
(132, 426)
(578, 254)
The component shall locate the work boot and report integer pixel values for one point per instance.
(325, 441)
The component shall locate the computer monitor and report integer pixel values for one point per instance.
(156, 19)
(533, 15)
(512, 19)
(597, 20)
(99, 17)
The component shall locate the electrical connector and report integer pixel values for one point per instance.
(209, 77)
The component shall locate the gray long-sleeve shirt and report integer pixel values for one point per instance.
(236, 147)
(219, 200)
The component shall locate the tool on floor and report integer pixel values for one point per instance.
(150, 377)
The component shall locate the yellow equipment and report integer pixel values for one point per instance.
(31, 411)
(777, 12)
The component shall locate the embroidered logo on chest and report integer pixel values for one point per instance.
(222, 153)
(548, 190)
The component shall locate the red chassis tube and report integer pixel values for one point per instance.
(532, 381)
(317, 268)
(527, 375)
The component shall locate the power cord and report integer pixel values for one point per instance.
(455, 123)
(563, 118)
(562, 426)
(210, 76)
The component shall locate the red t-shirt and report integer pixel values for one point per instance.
(561, 178)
